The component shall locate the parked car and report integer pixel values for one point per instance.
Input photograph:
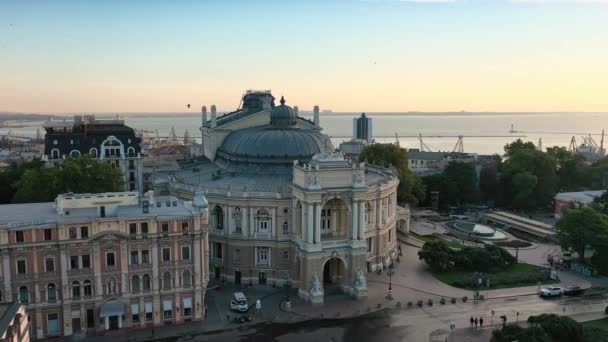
(551, 291)
(573, 291)
(239, 302)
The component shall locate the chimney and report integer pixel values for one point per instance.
(316, 116)
(204, 109)
(296, 110)
(213, 118)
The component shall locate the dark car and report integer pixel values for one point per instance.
(573, 291)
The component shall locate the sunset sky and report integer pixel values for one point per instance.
(347, 55)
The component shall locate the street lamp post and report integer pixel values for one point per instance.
(390, 284)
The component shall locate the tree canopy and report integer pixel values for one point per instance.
(411, 189)
(34, 182)
(581, 227)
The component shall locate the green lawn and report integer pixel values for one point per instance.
(515, 276)
(601, 324)
(429, 238)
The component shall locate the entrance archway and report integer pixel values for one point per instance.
(334, 275)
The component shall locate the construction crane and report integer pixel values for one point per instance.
(423, 146)
(572, 147)
(459, 147)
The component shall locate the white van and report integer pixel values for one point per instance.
(239, 302)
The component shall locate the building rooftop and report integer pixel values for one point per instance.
(86, 207)
(579, 196)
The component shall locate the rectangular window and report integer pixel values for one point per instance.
(263, 226)
(86, 261)
(166, 254)
(217, 250)
(369, 245)
(187, 307)
(49, 264)
(110, 261)
(145, 257)
(134, 258)
(285, 227)
(144, 228)
(90, 318)
(133, 229)
(148, 307)
(134, 313)
(73, 233)
(285, 255)
(19, 236)
(84, 232)
(48, 234)
(185, 228)
(237, 255)
(263, 255)
(167, 309)
(53, 323)
(74, 262)
(185, 253)
(21, 267)
(165, 227)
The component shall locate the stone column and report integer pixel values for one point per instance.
(230, 220)
(197, 262)
(355, 220)
(106, 323)
(39, 324)
(119, 321)
(245, 221)
(65, 291)
(273, 222)
(155, 270)
(361, 220)
(317, 223)
(309, 223)
(6, 275)
(96, 270)
(124, 267)
(303, 222)
(251, 222)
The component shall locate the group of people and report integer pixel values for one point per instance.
(475, 321)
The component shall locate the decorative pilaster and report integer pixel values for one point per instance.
(317, 223)
(310, 223)
(355, 220)
(361, 220)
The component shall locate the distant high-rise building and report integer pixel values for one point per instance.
(362, 128)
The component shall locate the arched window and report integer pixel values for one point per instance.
(186, 279)
(167, 281)
(219, 217)
(111, 148)
(146, 281)
(51, 293)
(74, 153)
(75, 289)
(55, 154)
(88, 288)
(131, 152)
(135, 284)
(24, 295)
(93, 152)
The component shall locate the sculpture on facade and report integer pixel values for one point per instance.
(360, 281)
(316, 286)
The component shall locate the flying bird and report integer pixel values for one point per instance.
(188, 105)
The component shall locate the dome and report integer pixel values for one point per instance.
(270, 148)
(283, 116)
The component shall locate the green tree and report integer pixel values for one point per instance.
(411, 189)
(518, 146)
(489, 184)
(512, 333)
(79, 175)
(559, 328)
(437, 255)
(461, 181)
(572, 169)
(581, 227)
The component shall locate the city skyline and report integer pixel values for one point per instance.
(348, 56)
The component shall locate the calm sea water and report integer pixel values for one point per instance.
(553, 128)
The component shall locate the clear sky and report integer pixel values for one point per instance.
(345, 55)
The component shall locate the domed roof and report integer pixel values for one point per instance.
(270, 148)
(283, 116)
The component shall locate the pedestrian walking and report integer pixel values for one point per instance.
(476, 321)
(472, 321)
(480, 322)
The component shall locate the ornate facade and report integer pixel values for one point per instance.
(284, 206)
(91, 262)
